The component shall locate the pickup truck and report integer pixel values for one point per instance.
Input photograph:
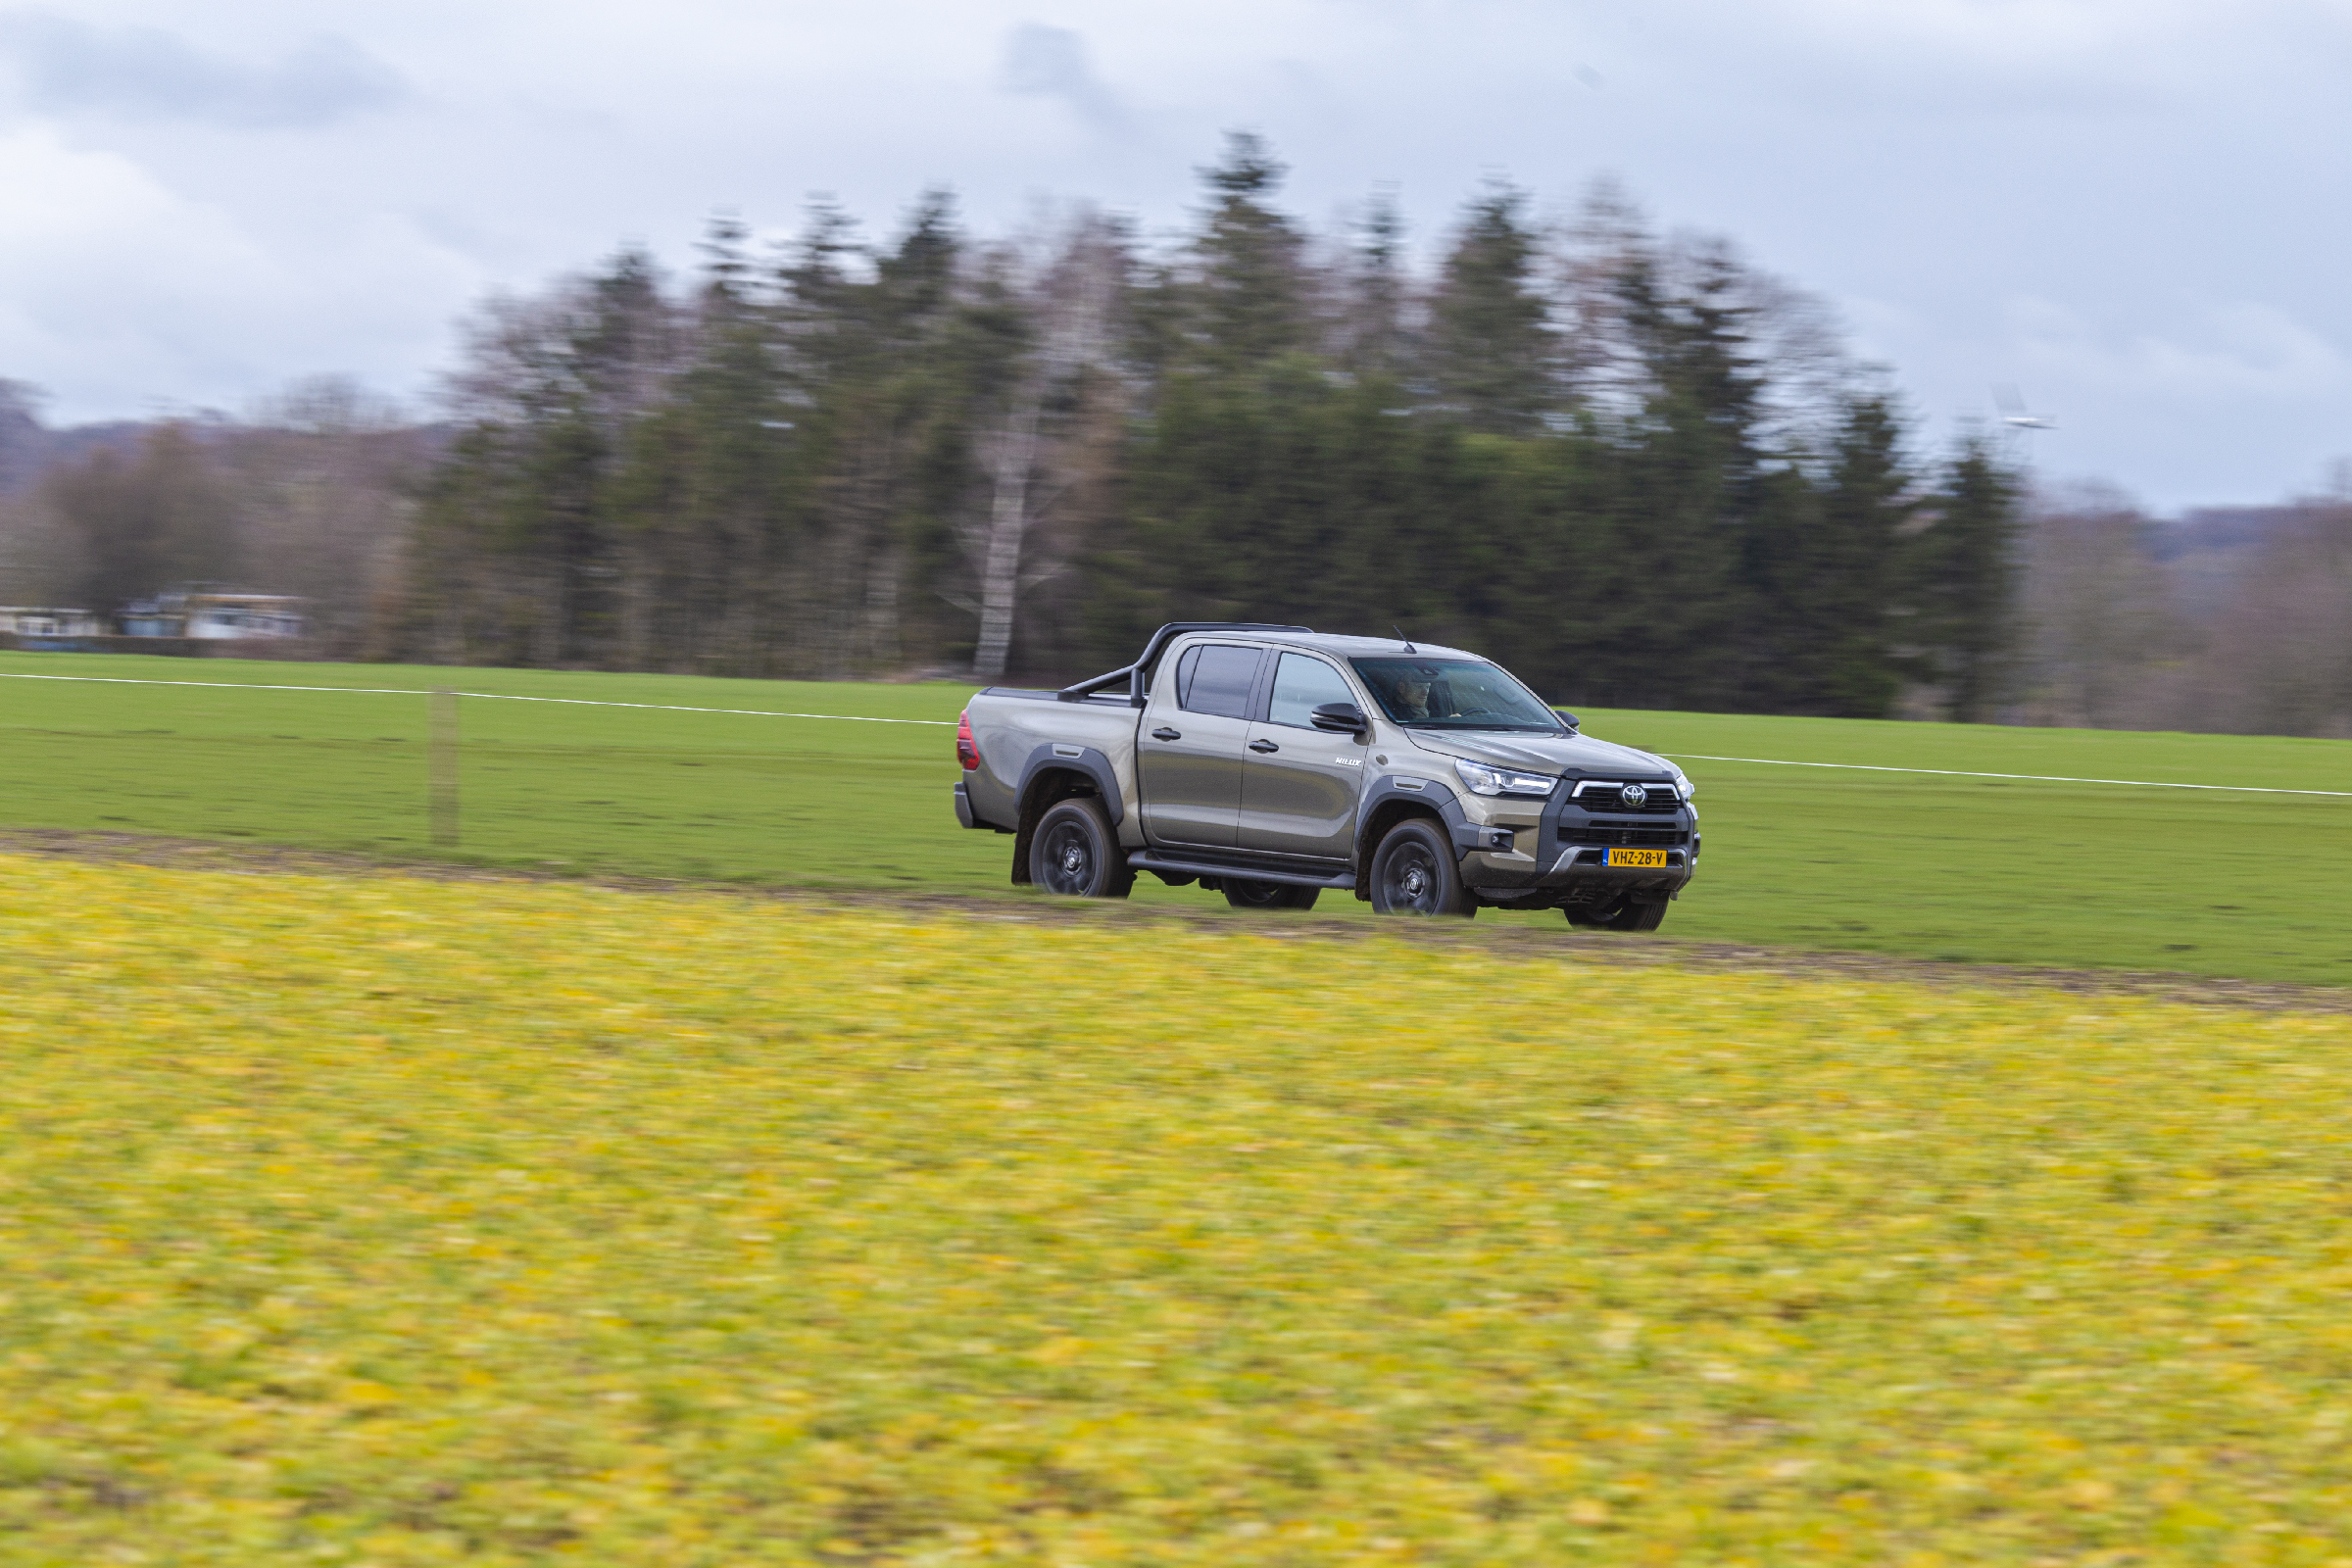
(1272, 763)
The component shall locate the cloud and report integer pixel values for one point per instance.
(119, 293)
(1045, 61)
(64, 65)
(2143, 163)
(2220, 353)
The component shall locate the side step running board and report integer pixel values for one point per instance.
(1147, 860)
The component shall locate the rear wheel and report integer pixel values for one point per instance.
(1414, 872)
(1623, 915)
(1075, 853)
(1269, 894)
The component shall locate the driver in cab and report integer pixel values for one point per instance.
(1414, 699)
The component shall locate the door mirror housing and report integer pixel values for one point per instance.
(1341, 717)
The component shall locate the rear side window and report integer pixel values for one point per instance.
(1215, 678)
(1301, 686)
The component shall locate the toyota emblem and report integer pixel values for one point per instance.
(1633, 795)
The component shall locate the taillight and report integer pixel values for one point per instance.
(966, 751)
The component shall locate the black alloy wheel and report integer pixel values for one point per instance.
(1414, 872)
(1623, 915)
(1269, 894)
(1075, 853)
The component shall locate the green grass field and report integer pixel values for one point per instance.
(1972, 870)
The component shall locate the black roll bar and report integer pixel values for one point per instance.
(1138, 675)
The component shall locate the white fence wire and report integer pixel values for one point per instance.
(863, 718)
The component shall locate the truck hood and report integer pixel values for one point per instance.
(1545, 753)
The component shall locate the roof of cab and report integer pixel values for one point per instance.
(1325, 642)
(1177, 632)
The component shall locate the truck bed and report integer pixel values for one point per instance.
(1017, 729)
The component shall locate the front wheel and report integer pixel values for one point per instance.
(1414, 872)
(1074, 852)
(1623, 915)
(1269, 894)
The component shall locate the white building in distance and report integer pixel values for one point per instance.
(29, 620)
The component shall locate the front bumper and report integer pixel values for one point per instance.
(1576, 876)
(1564, 859)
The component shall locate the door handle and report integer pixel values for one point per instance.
(1263, 747)
(1163, 733)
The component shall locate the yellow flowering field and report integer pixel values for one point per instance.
(383, 1221)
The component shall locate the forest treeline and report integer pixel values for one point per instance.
(1632, 466)
(1638, 469)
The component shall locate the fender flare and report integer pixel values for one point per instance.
(1087, 759)
(1432, 794)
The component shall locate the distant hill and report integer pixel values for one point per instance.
(2210, 548)
(2217, 529)
(28, 448)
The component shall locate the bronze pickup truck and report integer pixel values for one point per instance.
(1273, 762)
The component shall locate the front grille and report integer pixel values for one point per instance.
(1600, 795)
(1623, 837)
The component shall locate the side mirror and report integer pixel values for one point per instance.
(1569, 719)
(1342, 717)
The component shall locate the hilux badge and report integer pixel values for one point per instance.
(1633, 795)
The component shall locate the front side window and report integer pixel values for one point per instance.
(1215, 678)
(1301, 686)
(1455, 694)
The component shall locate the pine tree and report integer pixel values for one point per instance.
(878, 444)
(1246, 301)
(1492, 349)
(1374, 339)
(707, 500)
(1850, 590)
(1969, 579)
(1691, 500)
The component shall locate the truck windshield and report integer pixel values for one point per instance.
(1453, 694)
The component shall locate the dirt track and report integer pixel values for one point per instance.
(202, 854)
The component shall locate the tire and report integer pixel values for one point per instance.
(1623, 915)
(1075, 854)
(1269, 894)
(1414, 872)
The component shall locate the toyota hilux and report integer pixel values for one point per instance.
(1274, 764)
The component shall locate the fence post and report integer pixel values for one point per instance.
(442, 768)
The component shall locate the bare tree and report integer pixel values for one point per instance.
(2280, 660)
(1605, 256)
(546, 395)
(164, 514)
(1070, 302)
(323, 479)
(2102, 627)
(40, 557)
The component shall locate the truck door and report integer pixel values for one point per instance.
(1300, 784)
(1188, 751)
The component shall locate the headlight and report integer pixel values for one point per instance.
(1682, 782)
(1484, 780)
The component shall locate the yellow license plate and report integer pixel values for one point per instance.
(1651, 857)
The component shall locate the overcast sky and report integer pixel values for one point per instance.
(2136, 210)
